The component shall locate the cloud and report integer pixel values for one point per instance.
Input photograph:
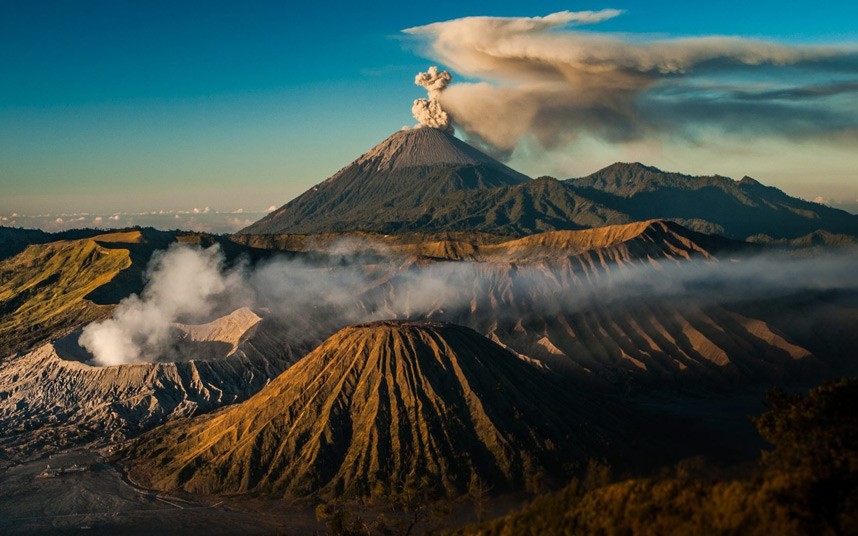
(236, 224)
(184, 283)
(538, 77)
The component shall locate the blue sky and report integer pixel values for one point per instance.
(131, 106)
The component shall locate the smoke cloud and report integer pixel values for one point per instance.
(547, 81)
(310, 297)
(184, 283)
(428, 112)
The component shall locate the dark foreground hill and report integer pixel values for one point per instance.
(806, 484)
(379, 407)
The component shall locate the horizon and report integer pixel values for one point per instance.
(151, 112)
(207, 220)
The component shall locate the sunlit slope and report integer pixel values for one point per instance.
(377, 407)
(603, 301)
(628, 242)
(14, 240)
(50, 289)
(43, 289)
(568, 300)
(658, 237)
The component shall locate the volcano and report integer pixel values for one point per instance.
(377, 191)
(379, 406)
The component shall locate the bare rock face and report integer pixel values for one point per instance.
(50, 399)
(378, 406)
(429, 147)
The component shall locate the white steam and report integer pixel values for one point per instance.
(428, 112)
(309, 297)
(184, 283)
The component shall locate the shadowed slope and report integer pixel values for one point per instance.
(738, 209)
(375, 407)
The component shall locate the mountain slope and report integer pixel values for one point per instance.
(401, 173)
(623, 304)
(50, 289)
(374, 407)
(42, 289)
(14, 240)
(631, 242)
(540, 205)
(738, 209)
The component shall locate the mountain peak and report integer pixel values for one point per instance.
(427, 147)
(629, 167)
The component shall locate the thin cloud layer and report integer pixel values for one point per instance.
(541, 77)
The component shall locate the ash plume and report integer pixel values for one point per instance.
(543, 79)
(428, 112)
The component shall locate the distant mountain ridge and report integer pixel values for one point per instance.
(714, 204)
(426, 180)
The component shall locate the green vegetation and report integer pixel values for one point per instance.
(426, 181)
(806, 484)
(413, 510)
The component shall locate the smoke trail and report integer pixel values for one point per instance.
(312, 297)
(429, 112)
(183, 283)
